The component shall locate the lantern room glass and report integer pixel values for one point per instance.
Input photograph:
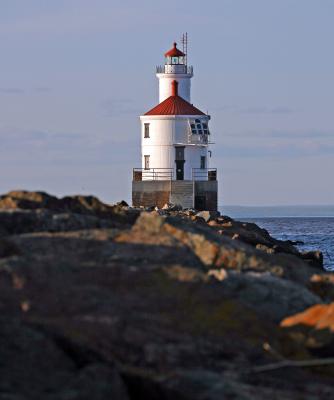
(175, 60)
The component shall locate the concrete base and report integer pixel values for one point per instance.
(201, 195)
(206, 195)
(150, 193)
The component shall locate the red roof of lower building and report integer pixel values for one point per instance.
(175, 105)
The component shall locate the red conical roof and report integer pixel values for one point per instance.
(174, 52)
(174, 105)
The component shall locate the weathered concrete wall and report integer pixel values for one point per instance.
(183, 193)
(206, 195)
(150, 193)
(158, 193)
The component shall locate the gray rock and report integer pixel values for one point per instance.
(104, 302)
(122, 203)
(268, 295)
(94, 382)
(172, 207)
(314, 258)
(208, 215)
(8, 248)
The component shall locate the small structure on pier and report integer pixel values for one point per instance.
(175, 141)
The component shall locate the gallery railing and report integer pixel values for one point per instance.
(204, 174)
(198, 139)
(153, 174)
(178, 68)
(167, 174)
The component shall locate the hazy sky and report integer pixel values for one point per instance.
(76, 74)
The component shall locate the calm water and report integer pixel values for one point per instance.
(317, 233)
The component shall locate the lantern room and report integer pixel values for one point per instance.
(175, 56)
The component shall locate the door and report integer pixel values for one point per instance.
(179, 161)
(203, 162)
(200, 203)
(179, 170)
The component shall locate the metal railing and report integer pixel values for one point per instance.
(184, 69)
(167, 174)
(204, 174)
(198, 139)
(195, 139)
(153, 174)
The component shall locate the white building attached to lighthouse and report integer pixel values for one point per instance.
(175, 140)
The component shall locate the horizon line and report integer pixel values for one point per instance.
(277, 205)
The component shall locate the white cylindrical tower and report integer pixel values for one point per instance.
(175, 68)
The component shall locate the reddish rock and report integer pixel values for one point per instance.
(320, 316)
(313, 329)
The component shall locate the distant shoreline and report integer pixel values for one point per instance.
(282, 216)
(278, 211)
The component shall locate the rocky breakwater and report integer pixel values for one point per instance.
(101, 302)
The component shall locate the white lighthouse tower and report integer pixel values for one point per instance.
(175, 68)
(175, 140)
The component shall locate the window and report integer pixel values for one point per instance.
(203, 162)
(146, 130)
(199, 127)
(147, 162)
(205, 128)
(179, 153)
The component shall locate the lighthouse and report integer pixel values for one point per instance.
(175, 144)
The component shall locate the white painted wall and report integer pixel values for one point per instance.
(193, 160)
(175, 69)
(167, 132)
(165, 85)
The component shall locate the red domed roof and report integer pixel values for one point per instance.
(174, 105)
(174, 52)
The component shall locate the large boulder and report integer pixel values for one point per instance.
(269, 296)
(260, 238)
(26, 221)
(215, 250)
(207, 216)
(21, 199)
(88, 205)
(22, 212)
(96, 304)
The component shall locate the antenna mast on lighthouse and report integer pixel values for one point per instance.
(184, 41)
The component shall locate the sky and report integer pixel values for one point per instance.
(76, 74)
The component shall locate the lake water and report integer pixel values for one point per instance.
(317, 233)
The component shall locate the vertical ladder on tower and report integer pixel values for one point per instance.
(184, 41)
